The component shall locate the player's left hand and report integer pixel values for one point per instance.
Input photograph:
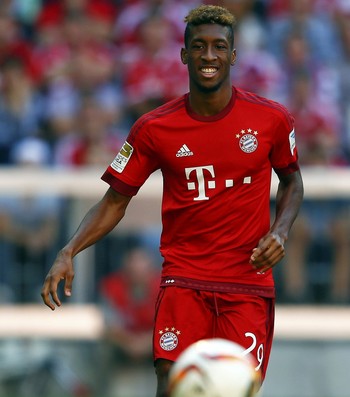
(268, 253)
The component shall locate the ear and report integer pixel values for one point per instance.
(233, 57)
(184, 56)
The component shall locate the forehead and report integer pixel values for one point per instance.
(209, 32)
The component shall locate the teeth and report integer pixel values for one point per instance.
(209, 70)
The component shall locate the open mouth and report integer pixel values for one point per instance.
(209, 71)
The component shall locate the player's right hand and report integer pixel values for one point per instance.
(62, 269)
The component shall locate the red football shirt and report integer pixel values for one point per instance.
(217, 176)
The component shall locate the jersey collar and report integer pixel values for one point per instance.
(215, 117)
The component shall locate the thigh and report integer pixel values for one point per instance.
(182, 318)
(249, 321)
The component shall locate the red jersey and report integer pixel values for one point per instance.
(217, 177)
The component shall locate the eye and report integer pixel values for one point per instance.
(197, 46)
(221, 47)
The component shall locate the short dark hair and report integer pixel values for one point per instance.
(206, 14)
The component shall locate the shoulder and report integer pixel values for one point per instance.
(263, 104)
(162, 114)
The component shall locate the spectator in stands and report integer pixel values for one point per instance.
(324, 76)
(93, 142)
(343, 20)
(20, 106)
(265, 77)
(340, 236)
(58, 37)
(12, 44)
(30, 225)
(319, 244)
(155, 55)
(316, 26)
(132, 13)
(317, 261)
(128, 299)
(340, 289)
(317, 122)
(77, 59)
(54, 12)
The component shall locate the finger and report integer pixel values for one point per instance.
(254, 255)
(259, 254)
(47, 301)
(45, 294)
(54, 295)
(264, 259)
(51, 289)
(68, 284)
(270, 261)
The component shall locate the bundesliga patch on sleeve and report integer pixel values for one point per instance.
(122, 157)
(292, 141)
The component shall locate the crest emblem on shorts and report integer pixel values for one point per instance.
(169, 338)
(248, 141)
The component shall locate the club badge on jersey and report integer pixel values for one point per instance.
(248, 141)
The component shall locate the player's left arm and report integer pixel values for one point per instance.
(270, 249)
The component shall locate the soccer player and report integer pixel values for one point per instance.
(216, 147)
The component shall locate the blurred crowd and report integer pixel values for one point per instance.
(75, 75)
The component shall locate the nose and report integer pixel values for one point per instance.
(209, 54)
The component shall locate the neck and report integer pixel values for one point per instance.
(210, 103)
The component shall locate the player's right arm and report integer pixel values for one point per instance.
(98, 222)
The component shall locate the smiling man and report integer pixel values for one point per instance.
(209, 53)
(216, 147)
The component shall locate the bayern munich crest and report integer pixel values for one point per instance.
(248, 141)
(169, 338)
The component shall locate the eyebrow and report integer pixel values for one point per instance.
(203, 40)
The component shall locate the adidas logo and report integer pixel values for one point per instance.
(184, 151)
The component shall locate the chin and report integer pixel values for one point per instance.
(207, 89)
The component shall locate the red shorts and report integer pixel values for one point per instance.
(184, 316)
